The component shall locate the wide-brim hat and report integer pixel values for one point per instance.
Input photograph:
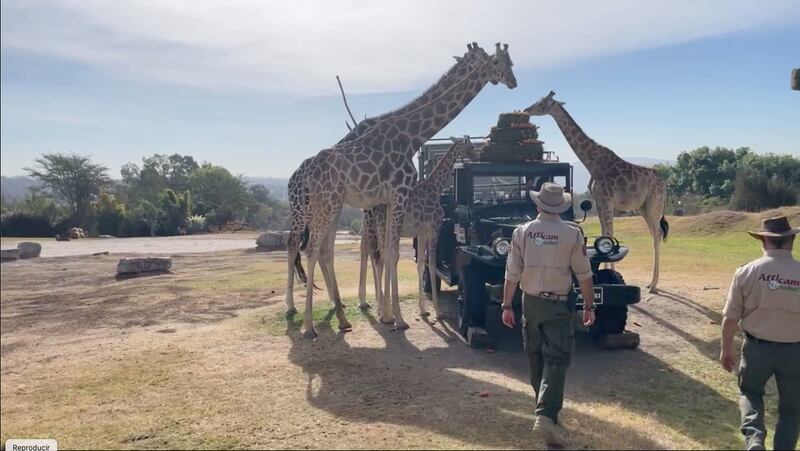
(552, 198)
(775, 227)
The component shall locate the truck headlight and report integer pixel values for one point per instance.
(604, 245)
(500, 246)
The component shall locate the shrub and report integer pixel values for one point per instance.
(25, 225)
(109, 215)
(355, 226)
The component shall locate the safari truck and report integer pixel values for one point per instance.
(484, 203)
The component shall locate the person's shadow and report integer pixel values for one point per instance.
(448, 389)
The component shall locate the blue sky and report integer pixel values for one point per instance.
(126, 82)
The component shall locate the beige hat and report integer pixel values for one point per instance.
(552, 198)
(775, 227)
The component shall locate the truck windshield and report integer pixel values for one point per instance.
(500, 189)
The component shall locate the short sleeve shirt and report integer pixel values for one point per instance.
(765, 297)
(545, 253)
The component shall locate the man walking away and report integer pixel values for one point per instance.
(764, 301)
(543, 256)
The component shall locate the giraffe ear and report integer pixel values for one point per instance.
(552, 93)
(458, 58)
(454, 139)
(561, 103)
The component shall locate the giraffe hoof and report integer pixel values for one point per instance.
(291, 312)
(364, 307)
(310, 334)
(652, 290)
(345, 326)
(400, 326)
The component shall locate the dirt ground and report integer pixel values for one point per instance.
(203, 357)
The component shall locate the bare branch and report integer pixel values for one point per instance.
(344, 98)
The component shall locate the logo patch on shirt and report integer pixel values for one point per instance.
(776, 282)
(542, 239)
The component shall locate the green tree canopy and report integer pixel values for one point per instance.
(73, 179)
(156, 174)
(219, 195)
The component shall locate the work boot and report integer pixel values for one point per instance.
(544, 428)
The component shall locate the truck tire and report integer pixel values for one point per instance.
(426, 282)
(472, 299)
(609, 320)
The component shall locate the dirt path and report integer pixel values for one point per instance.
(202, 357)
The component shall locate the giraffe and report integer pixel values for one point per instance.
(473, 59)
(614, 183)
(423, 216)
(377, 168)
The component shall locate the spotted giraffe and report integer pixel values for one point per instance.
(615, 184)
(377, 168)
(423, 216)
(471, 61)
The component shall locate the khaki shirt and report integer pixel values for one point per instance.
(765, 297)
(544, 253)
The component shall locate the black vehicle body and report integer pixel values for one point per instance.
(484, 205)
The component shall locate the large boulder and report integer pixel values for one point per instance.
(8, 255)
(29, 249)
(272, 241)
(137, 265)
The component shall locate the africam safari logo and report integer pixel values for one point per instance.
(776, 282)
(542, 239)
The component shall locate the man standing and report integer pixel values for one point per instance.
(764, 300)
(543, 256)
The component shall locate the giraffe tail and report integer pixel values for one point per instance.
(664, 228)
(298, 262)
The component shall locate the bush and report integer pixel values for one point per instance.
(25, 225)
(109, 215)
(355, 226)
(173, 212)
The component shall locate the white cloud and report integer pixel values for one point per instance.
(296, 47)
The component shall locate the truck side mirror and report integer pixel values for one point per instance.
(586, 205)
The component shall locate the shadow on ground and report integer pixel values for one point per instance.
(437, 388)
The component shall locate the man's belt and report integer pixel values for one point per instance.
(761, 340)
(550, 296)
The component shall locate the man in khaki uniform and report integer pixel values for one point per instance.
(764, 300)
(543, 256)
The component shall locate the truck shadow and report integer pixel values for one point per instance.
(449, 389)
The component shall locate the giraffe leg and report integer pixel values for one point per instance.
(652, 212)
(432, 243)
(293, 253)
(394, 218)
(605, 212)
(422, 244)
(326, 264)
(385, 314)
(308, 314)
(362, 274)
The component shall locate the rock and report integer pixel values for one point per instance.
(106, 236)
(8, 255)
(129, 266)
(272, 241)
(62, 237)
(29, 249)
(76, 232)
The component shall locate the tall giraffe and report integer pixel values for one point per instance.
(615, 184)
(473, 59)
(423, 216)
(377, 168)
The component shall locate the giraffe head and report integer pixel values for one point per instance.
(500, 67)
(475, 56)
(464, 148)
(545, 105)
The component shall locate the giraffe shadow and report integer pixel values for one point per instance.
(451, 390)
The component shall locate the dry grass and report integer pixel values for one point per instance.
(203, 358)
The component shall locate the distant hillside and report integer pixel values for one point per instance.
(15, 188)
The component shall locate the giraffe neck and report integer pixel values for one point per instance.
(594, 156)
(440, 173)
(446, 82)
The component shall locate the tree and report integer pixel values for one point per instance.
(147, 214)
(72, 179)
(175, 209)
(156, 174)
(109, 214)
(218, 195)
